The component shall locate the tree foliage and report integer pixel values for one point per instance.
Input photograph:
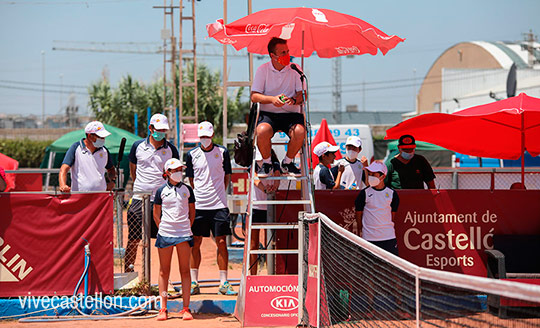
(29, 153)
(117, 106)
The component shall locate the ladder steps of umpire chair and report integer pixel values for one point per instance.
(282, 202)
(274, 226)
(274, 251)
(284, 177)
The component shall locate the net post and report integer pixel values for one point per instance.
(300, 267)
(417, 286)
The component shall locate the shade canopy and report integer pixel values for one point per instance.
(502, 129)
(307, 30)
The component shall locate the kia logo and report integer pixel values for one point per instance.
(284, 303)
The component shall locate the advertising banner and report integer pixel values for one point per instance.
(271, 301)
(440, 229)
(42, 246)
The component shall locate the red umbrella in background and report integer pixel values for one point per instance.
(308, 30)
(322, 135)
(9, 164)
(503, 129)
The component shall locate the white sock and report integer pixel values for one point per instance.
(267, 160)
(194, 275)
(222, 276)
(287, 160)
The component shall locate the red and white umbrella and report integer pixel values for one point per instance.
(324, 31)
(502, 129)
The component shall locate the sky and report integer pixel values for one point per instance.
(29, 29)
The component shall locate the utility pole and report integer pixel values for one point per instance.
(530, 38)
(42, 88)
(414, 88)
(61, 88)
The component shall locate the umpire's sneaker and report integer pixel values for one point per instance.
(265, 170)
(226, 289)
(290, 169)
(195, 288)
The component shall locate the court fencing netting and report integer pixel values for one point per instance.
(349, 282)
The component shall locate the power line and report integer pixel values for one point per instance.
(46, 84)
(427, 81)
(39, 90)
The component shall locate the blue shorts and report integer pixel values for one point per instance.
(164, 242)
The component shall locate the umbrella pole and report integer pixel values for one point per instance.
(523, 148)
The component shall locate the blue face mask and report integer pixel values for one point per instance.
(407, 156)
(99, 143)
(158, 136)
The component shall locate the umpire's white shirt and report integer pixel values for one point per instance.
(271, 82)
(208, 170)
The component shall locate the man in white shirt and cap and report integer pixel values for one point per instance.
(208, 168)
(146, 160)
(88, 159)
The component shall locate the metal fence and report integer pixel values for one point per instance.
(485, 178)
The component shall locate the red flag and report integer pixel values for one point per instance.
(322, 135)
(9, 164)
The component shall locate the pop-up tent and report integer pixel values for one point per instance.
(54, 154)
(436, 156)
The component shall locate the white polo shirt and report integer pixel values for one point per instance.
(208, 170)
(87, 169)
(174, 201)
(322, 178)
(377, 206)
(351, 178)
(150, 162)
(271, 82)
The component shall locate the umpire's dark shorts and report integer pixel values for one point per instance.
(281, 121)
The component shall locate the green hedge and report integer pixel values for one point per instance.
(28, 152)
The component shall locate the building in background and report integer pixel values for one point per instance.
(467, 74)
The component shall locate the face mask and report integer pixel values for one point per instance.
(99, 143)
(351, 154)
(407, 156)
(176, 176)
(158, 136)
(205, 142)
(373, 181)
(284, 60)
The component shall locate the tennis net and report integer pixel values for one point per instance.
(349, 282)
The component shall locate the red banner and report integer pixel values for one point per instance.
(41, 245)
(445, 230)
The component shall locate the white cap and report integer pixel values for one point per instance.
(159, 121)
(354, 141)
(173, 163)
(377, 167)
(97, 128)
(206, 129)
(323, 148)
